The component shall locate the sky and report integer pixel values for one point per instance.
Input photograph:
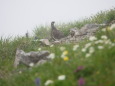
(19, 16)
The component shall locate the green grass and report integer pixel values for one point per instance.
(98, 68)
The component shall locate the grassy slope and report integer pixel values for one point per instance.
(98, 69)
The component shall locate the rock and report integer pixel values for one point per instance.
(30, 58)
(89, 28)
(112, 22)
(41, 62)
(56, 42)
(76, 35)
(75, 32)
(45, 42)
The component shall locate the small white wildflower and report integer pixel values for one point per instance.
(75, 47)
(84, 50)
(100, 47)
(99, 41)
(112, 27)
(39, 49)
(88, 55)
(113, 44)
(107, 42)
(31, 64)
(35, 40)
(65, 52)
(104, 29)
(48, 82)
(62, 48)
(61, 77)
(91, 50)
(87, 45)
(104, 37)
(20, 72)
(92, 38)
(51, 45)
(96, 42)
(62, 56)
(51, 56)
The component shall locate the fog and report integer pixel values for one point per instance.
(19, 16)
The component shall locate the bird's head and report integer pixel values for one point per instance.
(52, 23)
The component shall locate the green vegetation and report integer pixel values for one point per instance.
(89, 62)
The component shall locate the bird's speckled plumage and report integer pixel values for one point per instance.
(55, 33)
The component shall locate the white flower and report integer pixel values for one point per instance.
(112, 27)
(92, 38)
(64, 54)
(48, 82)
(104, 29)
(91, 50)
(39, 49)
(61, 77)
(84, 50)
(31, 64)
(75, 47)
(51, 56)
(113, 44)
(62, 48)
(87, 45)
(51, 45)
(20, 72)
(100, 47)
(107, 42)
(88, 55)
(36, 40)
(99, 41)
(104, 37)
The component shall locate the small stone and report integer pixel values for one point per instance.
(45, 42)
(56, 42)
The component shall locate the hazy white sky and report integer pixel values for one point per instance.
(18, 16)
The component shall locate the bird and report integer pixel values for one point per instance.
(55, 33)
(27, 34)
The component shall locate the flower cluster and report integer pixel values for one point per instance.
(75, 47)
(48, 82)
(100, 43)
(31, 64)
(62, 48)
(92, 38)
(61, 77)
(81, 80)
(112, 27)
(64, 55)
(51, 56)
(39, 49)
(86, 47)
